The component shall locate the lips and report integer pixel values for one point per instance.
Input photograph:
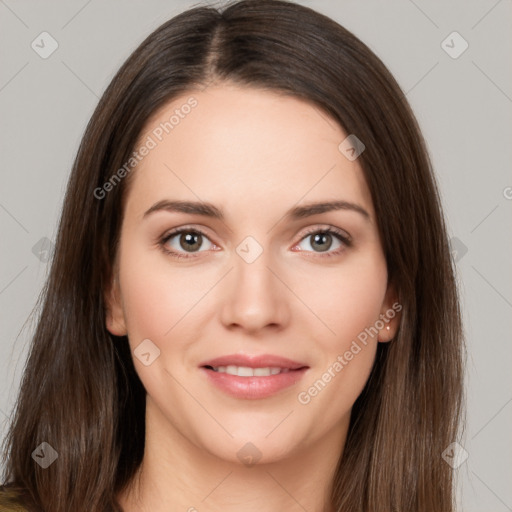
(252, 377)
(259, 361)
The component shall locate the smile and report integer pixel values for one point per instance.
(252, 376)
(245, 371)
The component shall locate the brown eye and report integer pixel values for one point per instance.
(183, 241)
(190, 241)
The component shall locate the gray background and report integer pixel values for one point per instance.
(463, 105)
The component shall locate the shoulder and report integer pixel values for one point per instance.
(9, 500)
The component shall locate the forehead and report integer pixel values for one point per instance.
(248, 148)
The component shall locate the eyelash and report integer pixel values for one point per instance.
(332, 231)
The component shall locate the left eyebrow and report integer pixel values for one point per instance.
(210, 210)
(307, 210)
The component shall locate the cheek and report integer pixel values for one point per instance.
(347, 303)
(156, 296)
(345, 299)
(148, 305)
(158, 305)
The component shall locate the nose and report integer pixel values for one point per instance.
(254, 296)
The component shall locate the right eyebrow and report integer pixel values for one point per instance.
(192, 207)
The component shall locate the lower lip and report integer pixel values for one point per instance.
(253, 388)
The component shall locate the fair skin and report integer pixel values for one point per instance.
(255, 155)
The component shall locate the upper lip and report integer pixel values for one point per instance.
(254, 361)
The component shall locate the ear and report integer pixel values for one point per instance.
(114, 314)
(389, 315)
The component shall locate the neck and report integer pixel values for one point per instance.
(177, 475)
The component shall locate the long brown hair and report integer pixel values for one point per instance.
(80, 392)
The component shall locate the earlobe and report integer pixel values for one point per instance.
(386, 334)
(390, 316)
(114, 314)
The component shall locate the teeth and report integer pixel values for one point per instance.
(245, 371)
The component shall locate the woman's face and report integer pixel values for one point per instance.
(254, 281)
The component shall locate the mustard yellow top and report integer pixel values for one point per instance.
(9, 501)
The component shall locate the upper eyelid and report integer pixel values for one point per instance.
(176, 231)
(309, 231)
(327, 227)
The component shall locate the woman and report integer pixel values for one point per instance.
(252, 302)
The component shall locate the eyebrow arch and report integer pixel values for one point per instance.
(210, 210)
